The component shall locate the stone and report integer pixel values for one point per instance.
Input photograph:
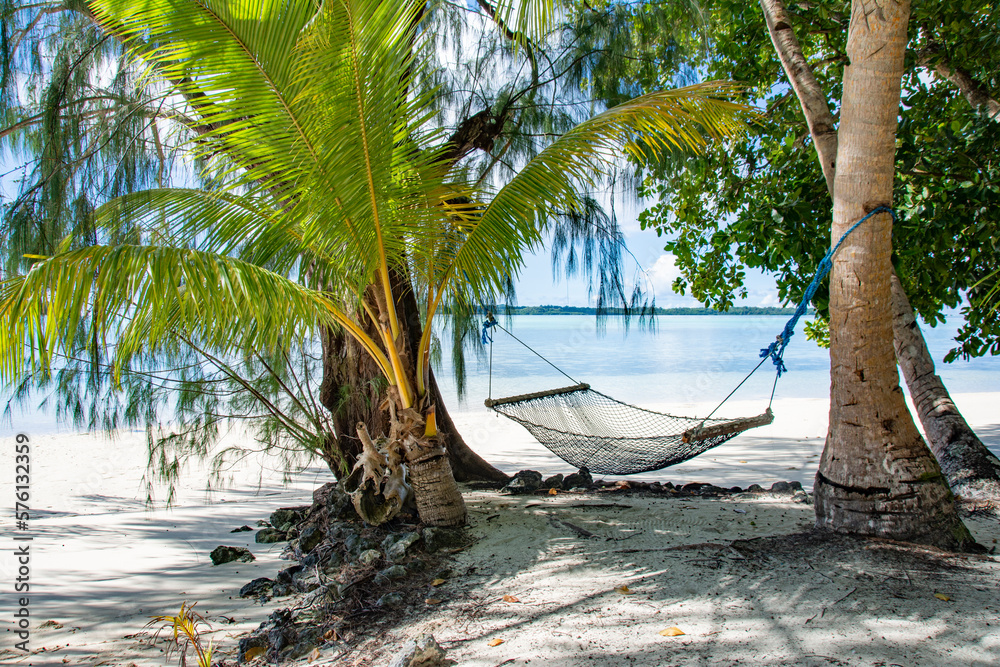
(270, 536)
(735, 489)
(422, 652)
(390, 573)
(249, 643)
(260, 587)
(781, 487)
(580, 479)
(286, 517)
(525, 481)
(693, 487)
(288, 575)
(390, 600)
(796, 486)
(402, 546)
(369, 556)
(241, 529)
(755, 488)
(310, 538)
(416, 565)
(223, 554)
(801, 497)
(554, 482)
(338, 531)
(436, 539)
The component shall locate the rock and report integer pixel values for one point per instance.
(416, 565)
(781, 487)
(693, 487)
(287, 576)
(402, 546)
(801, 497)
(241, 529)
(251, 644)
(735, 489)
(356, 544)
(423, 652)
(581, 478)
(310, 538)
(270, 536)
(224, 554)
(287, 517)
(369, 556)
(554, 482)
(712, 490)
(755, 488)
(525, 481)
(390, 573)
(390, 600)
(260, 587)
(436, 539)
(796, 486)
(339, 531)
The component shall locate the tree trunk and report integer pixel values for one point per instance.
(876, 475)
(353, 388)
(972, 470)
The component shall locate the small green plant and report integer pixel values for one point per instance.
(186, 634)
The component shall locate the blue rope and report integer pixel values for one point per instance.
(487, 325)
(776, 350)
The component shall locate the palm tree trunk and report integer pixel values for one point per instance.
(352, 390)
(972, 470)
(876, 475)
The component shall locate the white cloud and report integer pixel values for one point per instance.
(770, 299)
(662, 274)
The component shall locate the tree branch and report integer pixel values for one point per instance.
(977, 96)
(810, 94)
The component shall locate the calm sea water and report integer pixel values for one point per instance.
(687, 359)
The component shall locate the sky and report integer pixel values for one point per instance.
(536, 286)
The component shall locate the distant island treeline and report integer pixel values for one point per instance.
(585, 310)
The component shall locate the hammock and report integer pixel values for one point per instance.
(589, 430)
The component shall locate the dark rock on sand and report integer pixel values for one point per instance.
(260, 587)
(580, 479)
(270, 536)
(224, 554)
(525, 481)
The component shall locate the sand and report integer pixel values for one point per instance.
(102, 563)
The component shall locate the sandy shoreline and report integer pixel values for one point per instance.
(102, 564)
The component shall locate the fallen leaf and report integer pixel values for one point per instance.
(496, 642)
(510, 598)
(432, 601)
(331, 635)
(438, 582)
(742, 461)
(313, 655)
(552, 492)
(672, 631)
(942, 596)
(624, 590)
(254, 652)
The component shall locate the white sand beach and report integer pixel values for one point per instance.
(102, 563)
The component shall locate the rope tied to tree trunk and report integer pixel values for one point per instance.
(776, 350)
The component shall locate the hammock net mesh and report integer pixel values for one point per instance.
(589, 430)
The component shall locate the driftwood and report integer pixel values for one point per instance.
(725, 428)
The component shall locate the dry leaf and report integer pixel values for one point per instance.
(314, 655)
(331, 635)
(942, 596)
(624, 590)
(254, 652)
(438, 582)
(672, 631)
(510, 598)
(432, 601)
(742, 461)
(496, 642)
(552, 492)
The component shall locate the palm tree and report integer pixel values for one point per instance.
(331, 185)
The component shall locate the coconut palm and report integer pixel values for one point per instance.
(331, 185)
